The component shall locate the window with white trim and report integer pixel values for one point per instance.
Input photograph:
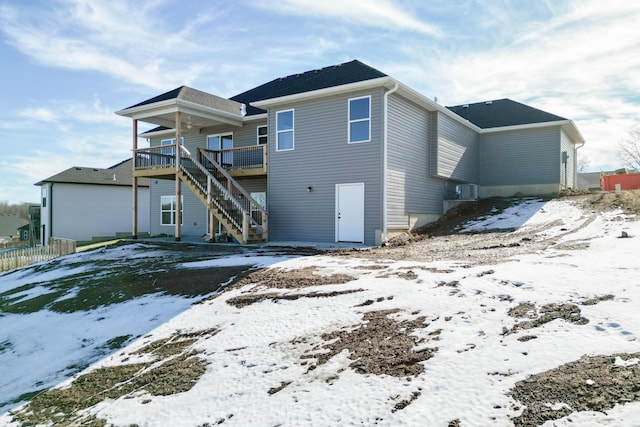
(360, 119)
(170, 141)
(168, 210)
(263, 135)
(284, 130)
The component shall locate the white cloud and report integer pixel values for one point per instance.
(373, 13)
(69, 113)
(582, 64)
(118, 38)
(39, 114)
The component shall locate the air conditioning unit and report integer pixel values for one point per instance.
(467, 191)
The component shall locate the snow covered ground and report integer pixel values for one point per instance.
(262, 362)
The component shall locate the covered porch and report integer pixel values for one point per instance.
(209, 174)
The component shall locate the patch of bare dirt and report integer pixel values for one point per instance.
(251, 298)
(546, 314)
(594, 383)
(175, 368)
(280, 278)
(379, 346)
(595, 300)
(627, 200)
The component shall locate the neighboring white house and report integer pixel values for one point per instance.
(83, 203)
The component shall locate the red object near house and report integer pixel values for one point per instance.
(629, 181)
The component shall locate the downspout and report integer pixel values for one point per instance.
(50, 233)
(385, 141)
(575, 166)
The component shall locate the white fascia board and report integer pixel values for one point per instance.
(573, 131)
(387, 82)
(366, 84)
(133, 111)
(431, 105)
(174, 105)
(567, 125)
(255, 117)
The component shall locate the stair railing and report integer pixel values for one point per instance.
(256, 215)
(226, 202)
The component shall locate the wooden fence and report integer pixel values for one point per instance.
(18, 258)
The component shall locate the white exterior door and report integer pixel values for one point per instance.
(350, 212)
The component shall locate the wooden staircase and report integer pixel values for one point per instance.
(226, 200)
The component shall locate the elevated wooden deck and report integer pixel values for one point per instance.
(160, 162)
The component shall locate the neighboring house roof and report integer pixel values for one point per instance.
(323, 78)
(120, 174)
(10, 224)
(502, 112)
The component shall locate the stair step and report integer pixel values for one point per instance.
(194, 180)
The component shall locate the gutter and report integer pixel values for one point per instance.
(385, 140)
(575, 164)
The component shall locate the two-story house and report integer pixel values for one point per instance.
(344, 153)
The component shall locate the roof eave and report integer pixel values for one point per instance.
(179, 105)
(567, 125)
(570, 127)
(260, 116)
(334, 90)
(163, 132)
(431, 105)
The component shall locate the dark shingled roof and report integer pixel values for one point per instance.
(195, 96)
(335, 75)
(502, 112)
(80, 175)
(172, 94)
(323, 78)
(156, 129)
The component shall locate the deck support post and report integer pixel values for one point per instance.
(245, 228)
(134, 226)
(178, 186)
(212, 219)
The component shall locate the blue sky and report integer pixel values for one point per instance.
(67, 65)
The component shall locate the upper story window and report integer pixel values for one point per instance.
(284, 130)
(262, 135)
(360, 119)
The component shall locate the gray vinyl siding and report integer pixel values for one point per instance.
(433, 143)
(321, 159)
(410, 188)
(245, 136)
(194, 221)
(520, 157)
(567, 172)
(457, 151)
